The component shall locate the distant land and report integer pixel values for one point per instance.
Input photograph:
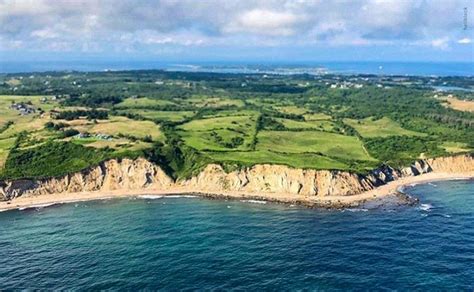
(311, 67)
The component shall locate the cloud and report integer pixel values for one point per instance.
(465, 41)
(441, 43)
(44, 34)
(265, 22)
(151, 37)
(140, 25)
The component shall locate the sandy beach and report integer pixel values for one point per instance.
(390, 188)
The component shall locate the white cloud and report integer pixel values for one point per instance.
(10, 44)
(90, 25)
(465, 41)
(44, 34)
(441, 43)
(59, 46)
(265, 22)
(150, 37)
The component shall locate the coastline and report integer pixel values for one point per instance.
(391, 188)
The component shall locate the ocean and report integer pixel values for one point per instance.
(311, 67)
(194, 243)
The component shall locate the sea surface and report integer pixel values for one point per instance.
(311, 67)
(193, 243)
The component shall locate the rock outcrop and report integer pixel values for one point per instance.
(264, 178)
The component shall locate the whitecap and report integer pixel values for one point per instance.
(150, 197)
(104, 198)
(254, 201)
(181, 196)
(357, 209)
(44, 205)
(39, 206)
(432, 184)
(425, 207)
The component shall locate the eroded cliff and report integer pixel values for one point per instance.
(110, 175)
(141, 174)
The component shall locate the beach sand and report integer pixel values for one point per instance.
(390, 188)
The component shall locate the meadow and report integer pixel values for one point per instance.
(384, 127)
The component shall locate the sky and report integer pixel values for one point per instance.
(237, 30)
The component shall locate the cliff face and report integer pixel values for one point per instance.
(141, 174)
(282, 179)
(110, 175)
(279, 179)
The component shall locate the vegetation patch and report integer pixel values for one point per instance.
(321, 125)
(384, 127)
(297, 160)
(291, 109)
(141, 103)
(316, 116)
(51, 159)
(88, 114)
(5, 146)
(121, 127)
(327, 144)
(402, 150)
(170, 116)
(220, 133)
(459, 104)
(455, 147)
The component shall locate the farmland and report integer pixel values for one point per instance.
(184, 121)
(383, 127)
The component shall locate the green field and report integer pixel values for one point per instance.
(455, 147)
(173, 116)
(5, 146)
(212, 102)
(298, 160)
(142, 102)
(328, 144)
(316, 117)
(321, 125)
(242, 123)
(217, 133)
(227, 113)
(384, 127)
(291, 109)
(118, 126)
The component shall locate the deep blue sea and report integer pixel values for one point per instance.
(311, 67)
(195, 243)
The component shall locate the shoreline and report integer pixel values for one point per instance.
(395, 187)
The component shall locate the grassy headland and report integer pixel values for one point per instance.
(56, 123)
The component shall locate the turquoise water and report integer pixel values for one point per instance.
(193, 243)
